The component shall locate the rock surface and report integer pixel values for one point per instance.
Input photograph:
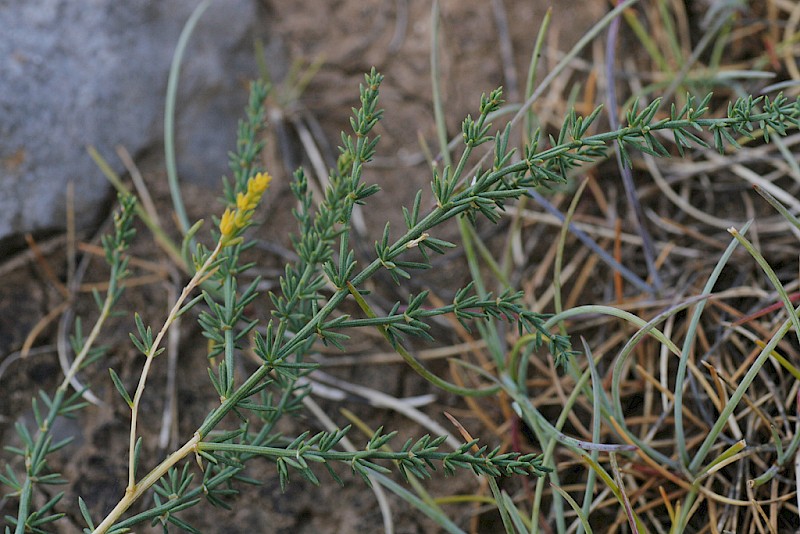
(74, 74)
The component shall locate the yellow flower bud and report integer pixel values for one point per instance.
(240, 218)
(243, 202)
(259, 183)
(227, 225)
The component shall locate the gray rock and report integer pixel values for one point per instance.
(77, 73)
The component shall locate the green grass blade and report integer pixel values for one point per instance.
(688, 343)
(169, 115)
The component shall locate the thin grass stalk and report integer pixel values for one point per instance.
(527, 128)
(619, 364)
(649, 45)
(793, 317)
(535, 422)
(543, 428)
(517, 366)
(505, 515)
(438, 110)
(487, 330)
(159, 234)
(627, 176)
(597, 386)
(520, 522)
(562, 239)
(527, 124)
(722, 41)
(773, 278)
(736, 397)
(583, 526)
(688, 343)
(434, 513)
(788, 157)
(169, 115)
(672, 40)
(547, 440)
(599, 309)
(605, 477)
(719, 22)
(780, 208)
(645, 328)
(488, 258)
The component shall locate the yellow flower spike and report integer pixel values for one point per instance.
(235, 219)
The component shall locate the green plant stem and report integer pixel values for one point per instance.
(24, 504)
(438, 112)
(196, 280)
(414, 364)
(316, 455)
(135, 491)
(488, 330)
(434, 218)
(105, 312)
(562, 239)
(527, 125)
(43, 434)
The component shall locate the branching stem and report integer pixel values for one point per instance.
(198, 278)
